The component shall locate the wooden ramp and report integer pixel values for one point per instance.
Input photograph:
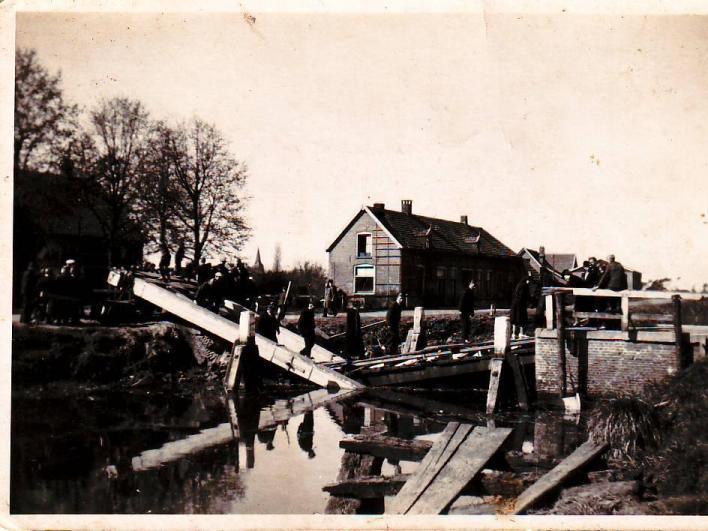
(281, 411)
(553, 479)
(279, 355)
(454, 460)
(293, 341)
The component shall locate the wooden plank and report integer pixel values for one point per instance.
(625, 313)
(353, 466)
(228, 330)
(235, 369)
(502, 336)
(446, 445)
(632, 294)
(658, 317)
(553, 479)
(386, 447)
(293, 341)
(597, 315)
(466, 463)
(519, 381)
(549, 312)
(367, 486)
(495, 369)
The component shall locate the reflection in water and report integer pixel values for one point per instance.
(127, 453)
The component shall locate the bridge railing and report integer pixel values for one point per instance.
(626, 316)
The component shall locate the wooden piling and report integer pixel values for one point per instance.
(678, 330)
(560, 330)
(502, 342)
(411, 344)
(247, 334)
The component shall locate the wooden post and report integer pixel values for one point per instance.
(247, 334)
(560, 329)
(678, 330)
(549, 311)
(625, 313)
(411, 343)
(502, 342)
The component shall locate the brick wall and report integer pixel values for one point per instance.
(602, 363)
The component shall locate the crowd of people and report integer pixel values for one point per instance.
(50, 297)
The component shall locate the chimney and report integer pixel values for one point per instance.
(378, 206)
(407, 206)
(463, 219)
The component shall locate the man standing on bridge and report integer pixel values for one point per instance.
(306, 327)
(614, 278)
(467, 310)
(393, 320)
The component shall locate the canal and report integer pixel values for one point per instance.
(206, 452)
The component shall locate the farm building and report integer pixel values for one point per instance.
(383, 252)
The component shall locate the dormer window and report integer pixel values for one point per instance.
(363, 245)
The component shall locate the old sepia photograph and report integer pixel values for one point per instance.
(418, 260)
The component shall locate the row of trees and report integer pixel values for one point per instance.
(170, 182)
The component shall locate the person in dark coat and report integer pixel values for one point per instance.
(614, 278)
(393, 320)
(518, 315)
(283, 303)
(354, 341)
(179, 256)
(45, 286)
(28, 292)
(306, 327)
(267, 324)
(207, 295)
(203, 271)
(165, 259)
(467, 310)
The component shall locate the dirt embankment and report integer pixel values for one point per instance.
(112, 356)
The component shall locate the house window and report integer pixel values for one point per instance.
(363, 244)
(364, 279)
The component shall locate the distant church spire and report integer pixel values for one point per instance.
(257, 264)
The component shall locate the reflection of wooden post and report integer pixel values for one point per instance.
(678, 329)
(560, 329)
(247, 334)
(549, 312)
(625, 312)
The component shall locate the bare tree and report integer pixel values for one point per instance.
(107, 163)
(43, 120)
(158, 193)
(210, 180)
(277, 256)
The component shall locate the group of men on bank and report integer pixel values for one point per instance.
(52, 298)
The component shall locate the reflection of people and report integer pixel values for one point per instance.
(266, 437)
(248, 413)
(306, 434)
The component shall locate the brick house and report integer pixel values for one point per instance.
(383, 252)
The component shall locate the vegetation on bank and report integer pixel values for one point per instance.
(661, 439)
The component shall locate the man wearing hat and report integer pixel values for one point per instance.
(614, 278)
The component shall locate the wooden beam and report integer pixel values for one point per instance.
(549, 312)
(386, 447)
(495, 369)
(632, 294)
(553, 479)
(625, 312)
(446, 445)
(678, 330)
(353, 466)
(367, 486)
(520, 383)
(560, 326)
(466, 463)
(270, 351)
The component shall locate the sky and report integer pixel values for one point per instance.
(581, 133)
